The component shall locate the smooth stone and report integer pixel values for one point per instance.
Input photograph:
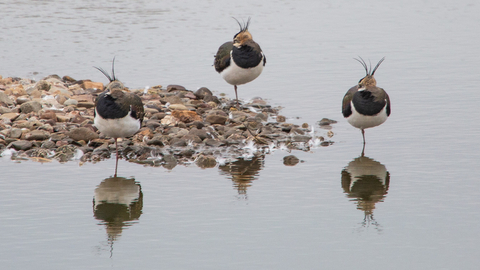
(301, 138)
(92, 85)
(4, 99)
(15, 133)
(281, 118)
(192, 138)
(186, 116)
(177, 106)
(37, 135)
(206, 161)
(48, 144)
(21, 145)
(202, 92)
(4, 110)
(213, 142)
(10, 116)
(31, 106)
(82, 133)
(201, 133)
(158, 116)
(174, 87)
(71, 102)
(290, 160)
(216, 117)
(170, 162)
(169, 120)
(86, 104)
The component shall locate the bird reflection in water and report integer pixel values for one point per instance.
(117, 203)
(366, 182)
(243, 172)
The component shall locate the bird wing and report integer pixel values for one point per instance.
(222, 58)
(136, 107)
(346, 107)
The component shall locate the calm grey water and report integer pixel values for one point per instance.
(418, 208)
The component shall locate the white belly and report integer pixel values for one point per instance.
(236, 75)
(117, 128)
(366, 121)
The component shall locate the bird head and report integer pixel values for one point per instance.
(114, 84)
(243, 36)
(368, 80)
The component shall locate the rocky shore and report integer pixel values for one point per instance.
(53, 119)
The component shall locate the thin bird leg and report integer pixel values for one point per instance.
(116, 161)
(363, 135)
(236, 96)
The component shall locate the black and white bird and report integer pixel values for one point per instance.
(240, 61)
(366, 105)
(118, 114)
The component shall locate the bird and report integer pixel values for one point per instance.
(240, 61)
(117, 114)
(366, 105)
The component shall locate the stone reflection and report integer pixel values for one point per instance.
(117, 203)
(366, 182)
(243, 172)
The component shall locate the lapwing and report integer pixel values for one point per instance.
(118, 114)
(240, 61)
(366, 105)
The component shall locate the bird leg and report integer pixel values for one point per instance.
(236, 95)
(116, 161)
(363, 135)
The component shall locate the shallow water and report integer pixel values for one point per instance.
(424, 215)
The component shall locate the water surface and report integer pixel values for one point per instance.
(416, 209)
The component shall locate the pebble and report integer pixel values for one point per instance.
(290, 160)
(31, 106)
(53, 119)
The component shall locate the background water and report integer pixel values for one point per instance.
(423, 215)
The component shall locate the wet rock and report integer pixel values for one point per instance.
(87, 84)
(158, 116)
(206, 161)
(301, 138)
(281, 118)
(10, 116)
(21, 145)
(261, 117)
(86, 104)
(31, 106)
(48, 145)
(15, 133)
(71, 102)
(186, 116)
(326, 121)
(192, 138)
(5, 100)
(290, 160)
(203, 92)
(158, 140)
(42, 85)
(174, 87)
(213, 142)
(170, 162)
(197, 124)
(37, 135)
(169, 120)
(48, 115)
(200, 133)
(82, 134)
(4, 110)
(217, 117)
